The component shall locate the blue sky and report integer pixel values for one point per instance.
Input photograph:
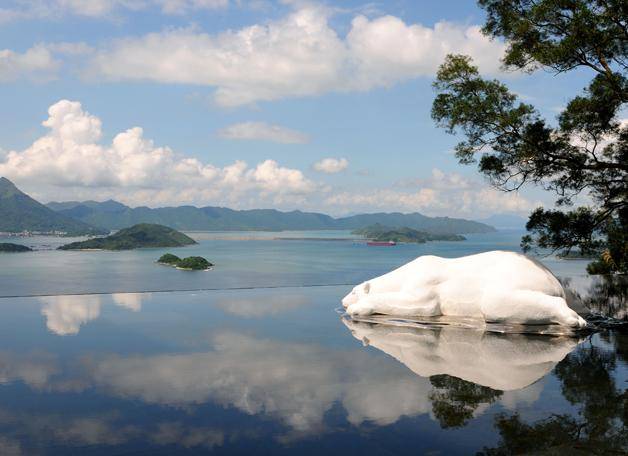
(285, 104)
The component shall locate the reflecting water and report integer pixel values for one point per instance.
(606, 296)
(250, 259)
(593, 381)
(277, 371)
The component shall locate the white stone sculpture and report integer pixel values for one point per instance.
(497, 287)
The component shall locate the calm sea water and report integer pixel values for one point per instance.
(280, 370)
(242, 259)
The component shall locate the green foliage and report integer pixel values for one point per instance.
(587, 151)
(559, 34)
(382, 233)
(9, 247)
(169, 258)
(195, 263)
(454, 400)
(138, 236)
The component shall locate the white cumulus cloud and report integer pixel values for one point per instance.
(37, 63)
(294, 56)
(263, 131)
(13, 10)
(187, 6)
(441, 194)
(71, 160)
(331, 165)
(40, 62)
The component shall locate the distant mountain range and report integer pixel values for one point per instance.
(19, 212)
(114, 215)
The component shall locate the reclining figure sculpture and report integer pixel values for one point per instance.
(496, 286)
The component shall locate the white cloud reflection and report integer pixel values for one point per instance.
(66, 314)
(261, 307)
(296, 384)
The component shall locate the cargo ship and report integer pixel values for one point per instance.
(381, 243)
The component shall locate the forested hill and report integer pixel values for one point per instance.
(113, 215)
(19, 212)
(143, 235)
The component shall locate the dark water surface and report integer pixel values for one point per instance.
(280, 371)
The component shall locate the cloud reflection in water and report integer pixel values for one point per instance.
(66, 314)
(266, 378)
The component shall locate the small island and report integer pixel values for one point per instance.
(380, 233)
(193, 263)
(169, 259)
(7, 247)
(143, 235)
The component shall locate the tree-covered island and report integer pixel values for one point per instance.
(380, 233)
(139, 236)
(7, 247)
(193, 263)
(169, 259)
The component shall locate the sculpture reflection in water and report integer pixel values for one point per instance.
(499, 361)
(469, 369)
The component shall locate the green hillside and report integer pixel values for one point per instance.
(138, 236)
(113, 215)
(19, 212)
(403, 234)
(7, 247)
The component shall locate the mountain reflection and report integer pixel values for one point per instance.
(497, 361)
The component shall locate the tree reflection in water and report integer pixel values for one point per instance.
(603, 297)
(608, 296)
(600, 425)
(454, 401)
